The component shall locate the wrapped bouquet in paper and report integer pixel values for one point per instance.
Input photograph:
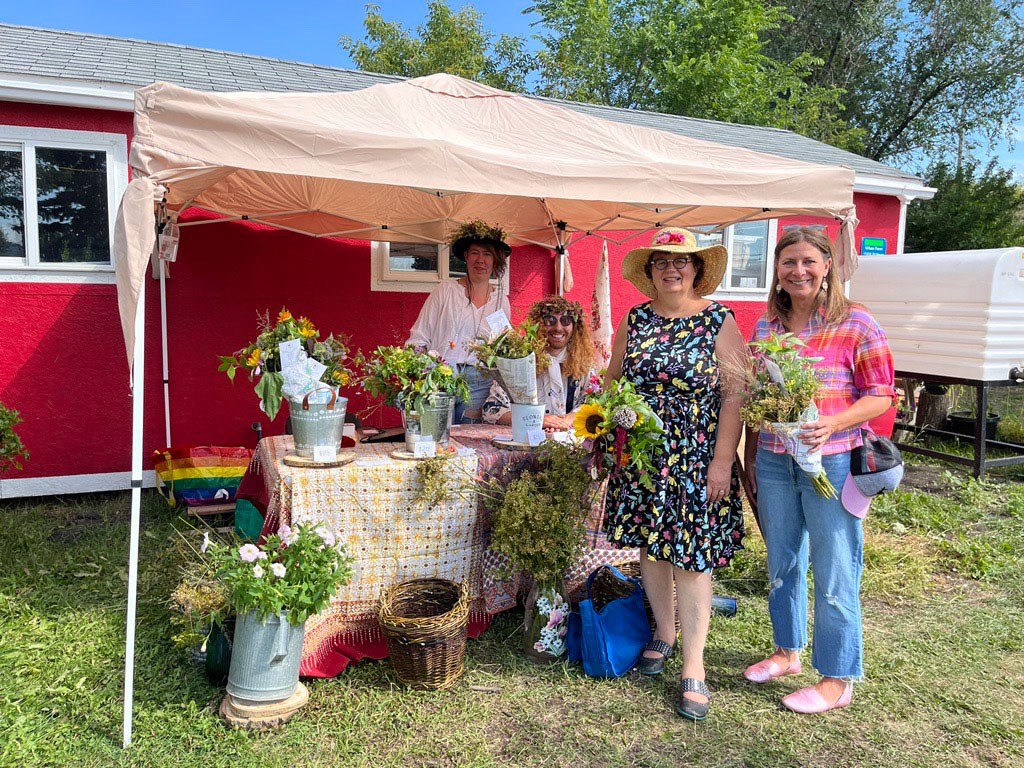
(618, 429)
(513, 356)
(781, 385)
(289, 359)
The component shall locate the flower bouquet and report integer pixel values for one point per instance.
(513, 358)
(405, 377)
(618, 428)
(289, 358)
(538, 524)
(781, 385)
(295, 571)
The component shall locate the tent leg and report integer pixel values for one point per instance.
(163, 350)
(133, 549)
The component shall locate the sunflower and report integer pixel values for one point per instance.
(588, 421)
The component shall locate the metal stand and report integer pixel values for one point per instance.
(979, 462)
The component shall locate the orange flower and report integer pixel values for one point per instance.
(284, 315)
(253, 359)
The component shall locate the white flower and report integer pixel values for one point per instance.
(257, 571)
(249, 553)
(327, 535)
(262, 555)
(279, 570)
(206, 543)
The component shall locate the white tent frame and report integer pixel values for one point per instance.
(648, 217)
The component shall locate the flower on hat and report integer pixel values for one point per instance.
(670, 237)
(478, 230)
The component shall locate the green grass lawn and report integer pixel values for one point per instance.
(944, 593)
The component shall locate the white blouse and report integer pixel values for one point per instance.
(449, 320)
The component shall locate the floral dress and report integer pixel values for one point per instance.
(671, 362)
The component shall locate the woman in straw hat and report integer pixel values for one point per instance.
(806, 298)
(562, 386)
(455, 310)
(692, 522)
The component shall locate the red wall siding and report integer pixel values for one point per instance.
(63, 362)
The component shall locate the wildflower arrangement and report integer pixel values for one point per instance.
(404, 376)
(478, 230)
(12, 450)
(618, 429)
(296, 570)
(198, 603)
(513, 357)
(537, 519)
(781, 385)
(262, 358)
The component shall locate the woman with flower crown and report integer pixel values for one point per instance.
(456, 310)
(564, 383)
(691, 522)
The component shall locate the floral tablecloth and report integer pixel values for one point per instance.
(371, 504)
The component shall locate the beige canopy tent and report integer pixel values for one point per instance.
(408, 161)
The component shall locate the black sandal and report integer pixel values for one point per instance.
(690, 709)
(648, 666)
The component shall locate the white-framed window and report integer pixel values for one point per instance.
(59, 192)
(416, 267)
(750, 245)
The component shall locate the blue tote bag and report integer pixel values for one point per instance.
(609, 641)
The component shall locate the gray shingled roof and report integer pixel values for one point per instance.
(122, 61)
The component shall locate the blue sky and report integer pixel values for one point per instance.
(296, 30)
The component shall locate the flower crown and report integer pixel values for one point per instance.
(556, 305)
(477, 230)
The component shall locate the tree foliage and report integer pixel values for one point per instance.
(971, 209)
(918, 76)
(449, 41)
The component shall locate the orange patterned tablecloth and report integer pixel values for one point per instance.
(370, 503)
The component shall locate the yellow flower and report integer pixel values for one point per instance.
(253, 359)
(340, 377)
(306, 329)
(283, 316)
(445, 370)
(588, 421)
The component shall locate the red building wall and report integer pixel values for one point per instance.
(63, 362)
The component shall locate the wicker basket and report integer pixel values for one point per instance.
(424, 623)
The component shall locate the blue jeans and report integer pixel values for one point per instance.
(479, 386)
(799, 525)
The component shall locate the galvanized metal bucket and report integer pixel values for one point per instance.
(318, 424)
(432, 421)
(265, 658)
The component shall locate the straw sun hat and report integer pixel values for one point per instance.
(671, 241)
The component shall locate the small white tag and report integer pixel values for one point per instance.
(497, 322)
(463, 450)
(291, 353)
(325, 453)
(168, 243)
(536, 436)
(424, 449)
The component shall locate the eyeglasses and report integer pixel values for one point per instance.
(551, 320)
(662, 264)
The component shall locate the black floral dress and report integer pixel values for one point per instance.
(671, 362)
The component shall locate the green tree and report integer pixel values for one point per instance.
(918, 77)
(449, 41)
(701, 58)
(970, 210)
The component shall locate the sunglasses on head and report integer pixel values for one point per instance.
(551, 320)
(679, 262)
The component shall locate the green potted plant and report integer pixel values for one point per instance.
(538, 525)
(12, 450)
(273, 588)
(419, 383)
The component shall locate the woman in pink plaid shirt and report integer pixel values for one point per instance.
(806, 298)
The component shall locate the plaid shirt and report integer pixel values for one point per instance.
(857, 363)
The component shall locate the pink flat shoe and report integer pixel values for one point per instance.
(768, 670)
(807, 701)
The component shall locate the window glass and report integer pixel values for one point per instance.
(71, 188)
(749, 254)
(12, 204)
(412, 257)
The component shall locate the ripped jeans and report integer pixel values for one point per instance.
(801, 526)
